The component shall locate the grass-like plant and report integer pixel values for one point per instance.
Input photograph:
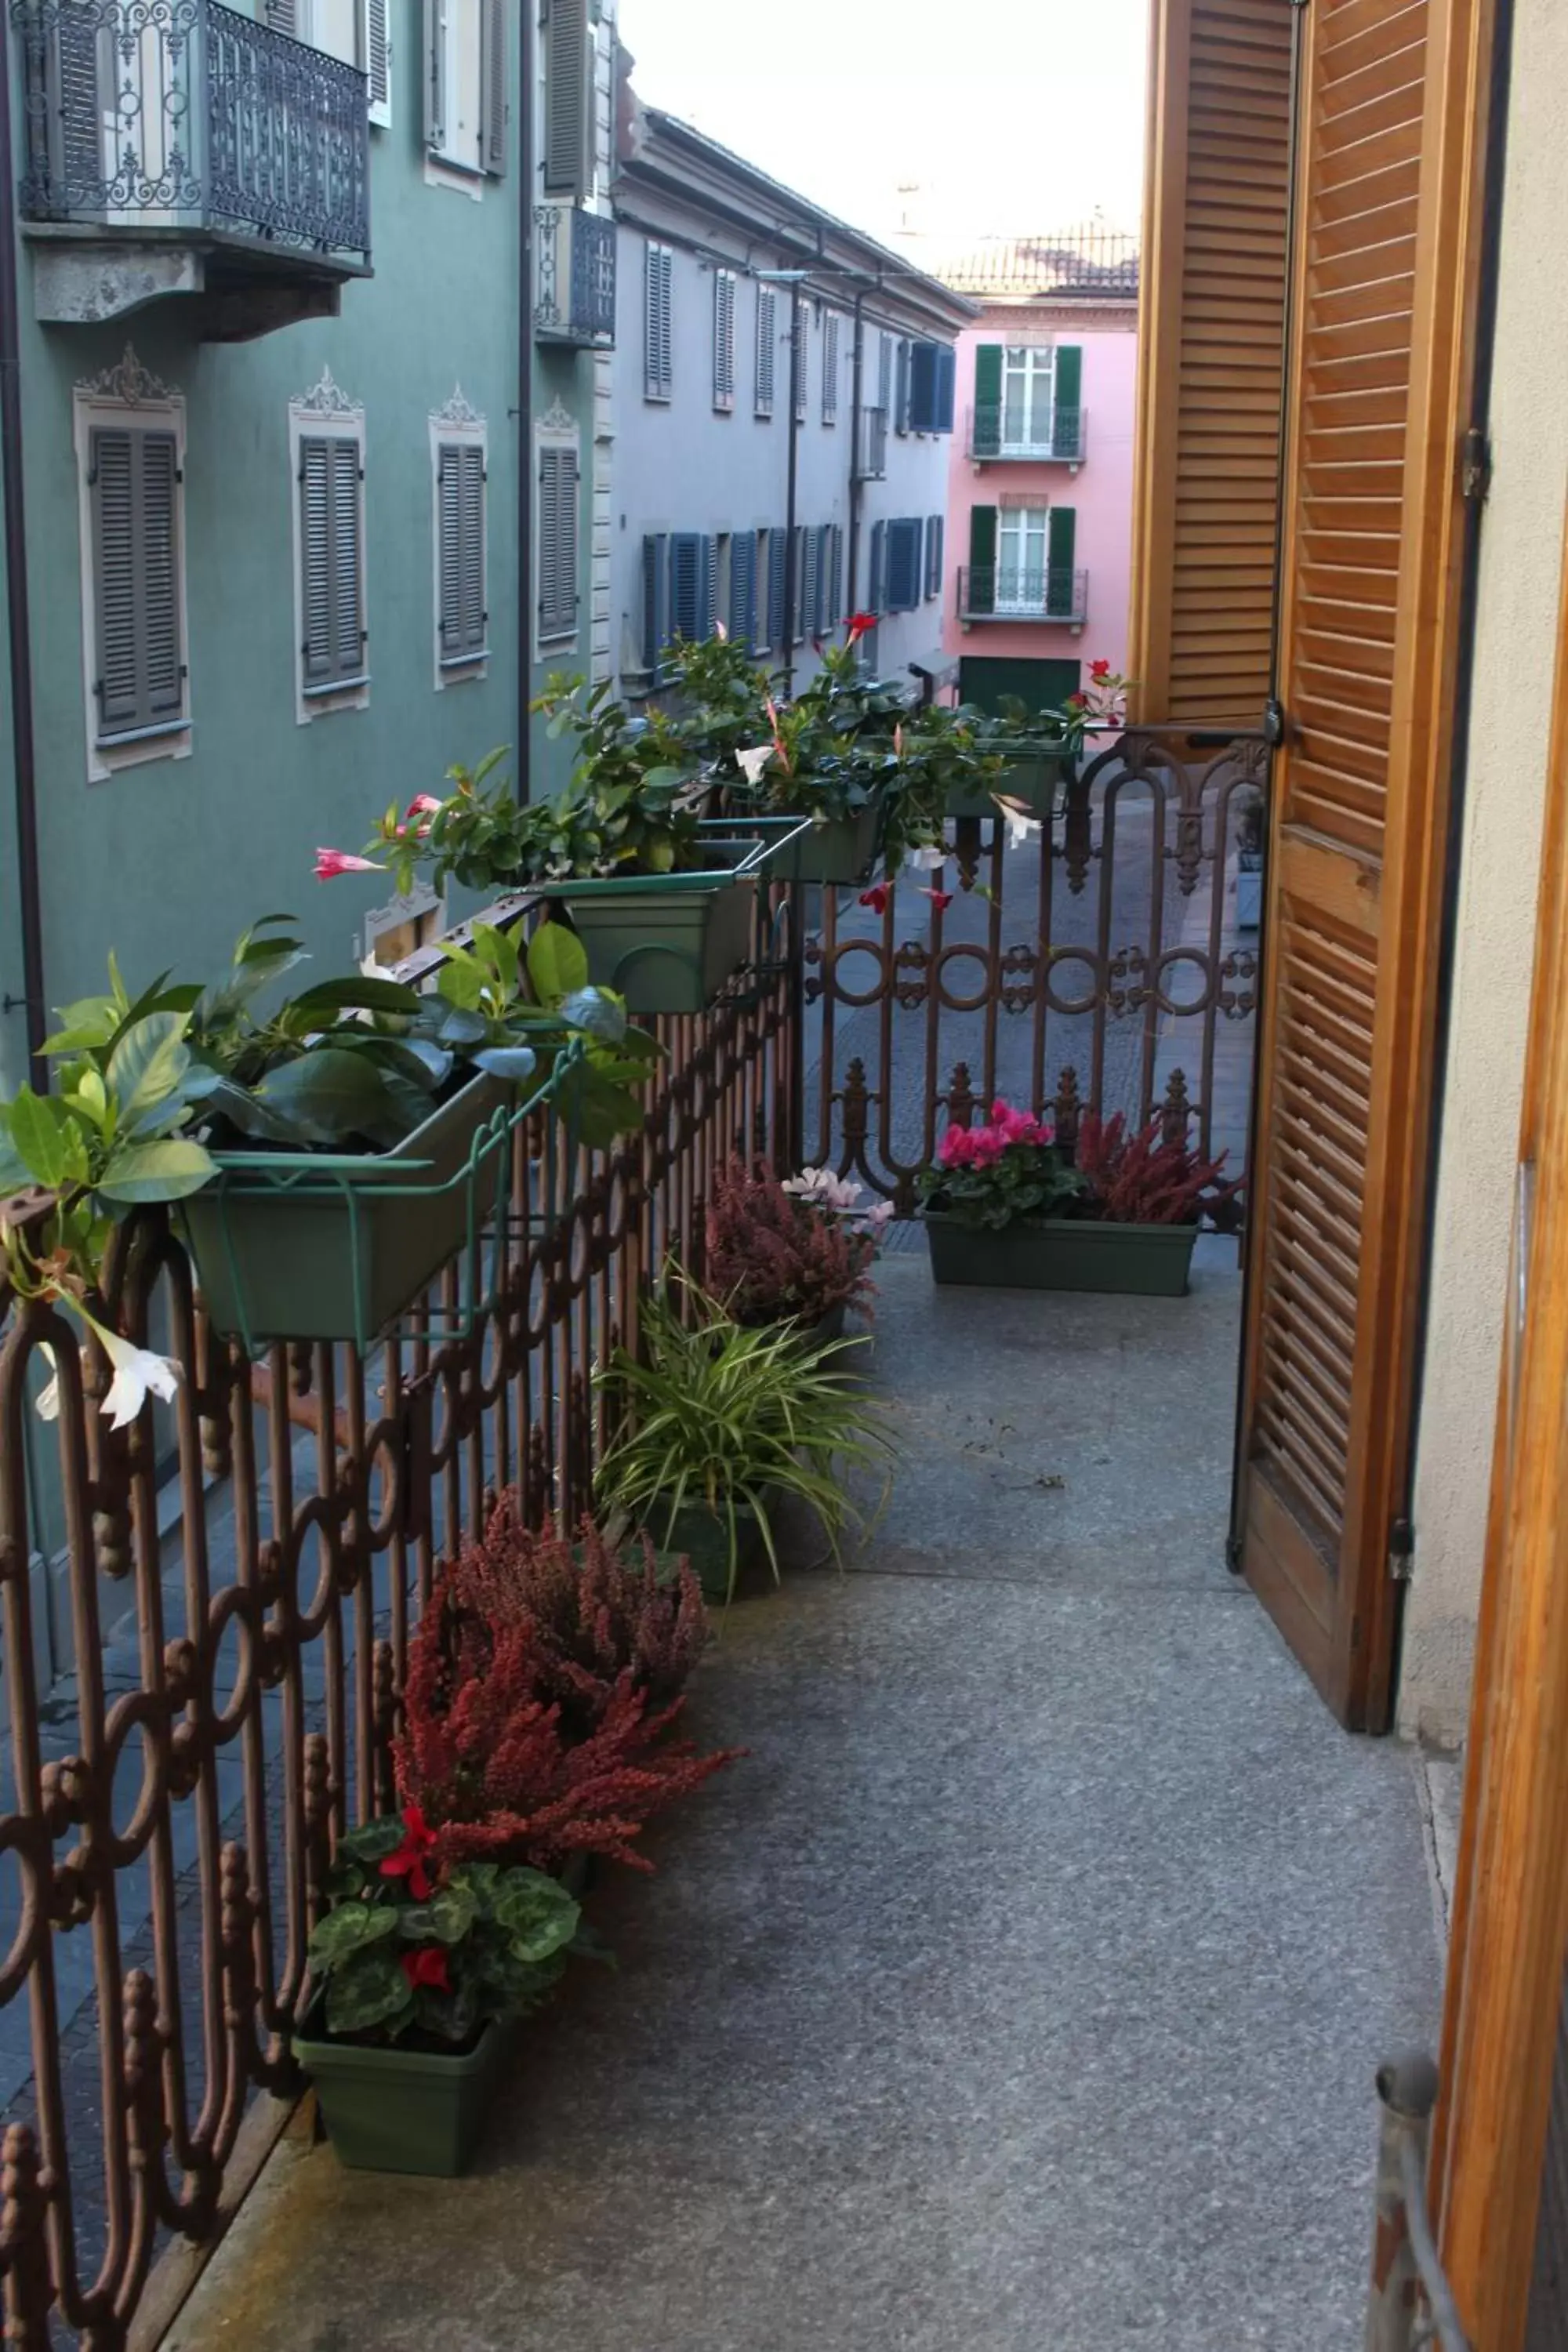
(736, 1420)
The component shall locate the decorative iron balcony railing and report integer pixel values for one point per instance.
(994, 435)
(871, 445)
(573, 275)
(144, 116)
(1010, 591)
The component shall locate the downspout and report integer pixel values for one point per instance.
(523, 769)
(794, 446)
(18, 623)
(856, 384)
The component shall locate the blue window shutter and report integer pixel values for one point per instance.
(946, 387)
(936, 533)
(708, 588)
(654, 600)
(776, 590)
(686, 575)
(903, 564)
(877, 572)
(923, 358)
(742, 618)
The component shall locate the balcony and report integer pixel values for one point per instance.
(1005, 592)
(183, 150)
(992, 436)
(872, 444)
(574, 276)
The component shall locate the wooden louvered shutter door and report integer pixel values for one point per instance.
(347, 568)
(1373, 524)
(377, 59)
(1211, 329)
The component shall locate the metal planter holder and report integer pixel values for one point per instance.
(670, 942)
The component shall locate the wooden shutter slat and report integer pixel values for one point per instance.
(348, 627)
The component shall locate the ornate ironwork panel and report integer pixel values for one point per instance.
(574, 275)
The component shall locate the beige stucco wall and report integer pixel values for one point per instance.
(1522, 549)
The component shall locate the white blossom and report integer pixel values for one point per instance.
(754, 761)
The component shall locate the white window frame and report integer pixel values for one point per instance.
(1032, 362)
(556, 429)
(128, 397)
(442, 169)
(326, 413)
(458, 424)
(1024, 516)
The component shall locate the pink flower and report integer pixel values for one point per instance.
(424, 804)
(329, 862)
(940, 899)
(956, 1149)
(857, 626)
(876, 897)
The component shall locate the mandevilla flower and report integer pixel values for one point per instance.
(857, 626)
(876, 897)
(138, 1374)
(424, 804)
(1100, 670)
(928, 856)
(940, 899)
(752, 761)
(332, 862)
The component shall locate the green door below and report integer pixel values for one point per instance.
(1041, 685)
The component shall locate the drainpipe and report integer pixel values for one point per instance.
(525, 584)
(18, 625)
(857, 386)
(790, 486)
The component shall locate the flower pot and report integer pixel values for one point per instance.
(1062, 1254)
(394, 2110)
(667, 942)
(1032, 775)
(318, 1246)
(837, 850)
(702, 1536)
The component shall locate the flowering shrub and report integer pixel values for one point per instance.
(1100, 706)
(1009, 1168)
(792, 1250)
(1139, 1180)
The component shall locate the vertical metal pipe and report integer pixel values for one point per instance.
(525, 581)
(857, 386)
(18, 623)
(794, 446)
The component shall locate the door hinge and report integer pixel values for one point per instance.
(1474, 465)
(1402, 1551)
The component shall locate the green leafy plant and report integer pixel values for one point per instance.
(736, 1420)
(405, 1946)
(1008, 1168)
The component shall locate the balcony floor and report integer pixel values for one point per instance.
(1023, 1986)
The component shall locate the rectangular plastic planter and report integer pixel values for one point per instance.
(391, 2110)
(667, 942)
(335, 1245)
(1063, 1253)
(1031, 776)
(840, 851)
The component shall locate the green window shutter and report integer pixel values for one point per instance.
(982, 597)
(373, 57)
(987, 433)
(936, 532)
(435, 74)
(568, 98)
(1066, 401)
(656, 601)
(493, 86)
(332, 651)
(1061, 536)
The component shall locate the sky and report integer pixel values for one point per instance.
(1004, 116)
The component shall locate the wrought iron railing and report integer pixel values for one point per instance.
(573, 275)
(180, 114)
(994, 432)
(1023, 591)
(1410, 2303)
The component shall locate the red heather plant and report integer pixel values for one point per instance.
(1141, 1180)
(774, 1256)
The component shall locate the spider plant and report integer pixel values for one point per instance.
(733, 1422)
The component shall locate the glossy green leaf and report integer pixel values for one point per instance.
(146, 1067)
(374, 1841)
(371, 1990)
(156, 1171)
(40, 1135)
(557, 962)
(351, 1927)
(330, 1096)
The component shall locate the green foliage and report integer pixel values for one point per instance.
(734, 1419)
(1027, 1180)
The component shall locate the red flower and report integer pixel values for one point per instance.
(876, 897)
(1099, 669)
(329, 862)
(408, 1861)
(940, 899)
(1077, 702)
(426, 1967)
(857, 626)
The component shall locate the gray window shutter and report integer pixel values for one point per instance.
(885, 373)
(723, 338)
(800, 346)
(568, 98)
(557, 539)
(877, 582)
(707, 587)
(375, 59)
(835, 587)
(903, 564)
(688, 566)
(135, 480)
(776, 553)
(743, 614)
(767, 331)
(830, 368)
(901, 394)
(936, 531)
(333, 646)
(78, 93)
(493, 84)
(656, 601)
(658, 264)
(461, 491)
(808, 562)
(435, 74)
(281, 15)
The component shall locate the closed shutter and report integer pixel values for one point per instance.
(885, 374)
(742, 615)
(946, 387)
(1205, 497)
(830, 368)
(435, 74)
(877, 571)
(557, 539)
(901, 392)
(1373, 531)
(134, 485)
(777, 558)
(1066, 401)
(904, 543)
(799, 348)
(723, 338)
(493, 89)
(835, 578)
(936, 532)
(658, 269)
(981, 596)
(281, 15)
(686, 569)
(1061, 546)
(374, 50)
(79, 66)
(655, 603)
(767, 335)
(707, 587)
(460, 488)
(985, 440)
(925, 366)
(808, 560)
(330, 507)
(568, 100)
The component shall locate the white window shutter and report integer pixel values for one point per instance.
(435, 76)
(493, 79)
(376, 58)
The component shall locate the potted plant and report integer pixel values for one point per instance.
(1004, 1205)
(795, 1250)
(718, 1425)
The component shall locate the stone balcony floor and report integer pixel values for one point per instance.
(1021, 1991)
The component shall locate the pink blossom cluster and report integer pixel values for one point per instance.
(983, 1147)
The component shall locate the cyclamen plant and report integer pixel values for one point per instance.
(1010, 1166)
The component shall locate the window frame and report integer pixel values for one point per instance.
(459, 427)
(126, 398)
(444, 168)
(326, 413)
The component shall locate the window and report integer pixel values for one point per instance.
(885, 374)
(835, 577)
(901, 394)
(557, 537)
(568, 98)
(877, 574)
(129, 439)
(326, 433)
(830, 368)
(693, 585)
(1028, 376)
(466, 52)
(904, 561)
(807, 553)
(354, 30)
(932, 373)
(767, 337)
(823, 603)
(458, 458)
(724, 338)
(658, 362)
(777, 548)
(1021, 560)
(936, 531)
(800, 321)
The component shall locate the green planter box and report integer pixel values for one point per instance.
(702, 1537)
(667, 942)
(843, 850)
(391, 2110)
(1063, 1253)
(1032, 776)
(317, 1246)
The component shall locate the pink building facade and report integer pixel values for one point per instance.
(1039, 519)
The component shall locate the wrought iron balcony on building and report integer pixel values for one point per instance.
(1005, 592)
(995, 437)
(871, 445)
(175, 147)
(574, 276)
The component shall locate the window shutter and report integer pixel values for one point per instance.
(901, 394)
(461, 491)
(946, 387)
(658, 264)
(686, 567)
(922, 376)
(723, 338)
(742, 619)
(449, 497)
(707, 587)
(134, 483)
(348, 619)
(77, 95)
(568, 98)
(493, 91)
(1066, 401)
(435, 74)
(982, 595)
(835, 587)
(830, 368)
(557, 539)
(281, 16)
(885, 374)
(903, 564)
(655, 603)
(808, 563)
(876, 583)
(799, 350)
(936, 534)
(476, 618)
(767, 316)
(1061, 535)
(987, 440)
(374, 57)
(776, 551)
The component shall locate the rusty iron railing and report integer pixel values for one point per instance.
(1096, 965)
(240, 1633)
(1410, 2303)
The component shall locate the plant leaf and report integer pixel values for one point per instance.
(147, 1065)
(330, 1096)
(359, 994)
(39, 1135)
(370, 1991)
(513, 1063)
(373, 1840)
(557, 964)
(156, 1171)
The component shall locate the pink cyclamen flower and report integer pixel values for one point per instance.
(940, 899)
(329, 862)
(876, 897)
(956, 1149)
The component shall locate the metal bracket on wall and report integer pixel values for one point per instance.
(1402, 1551)
(1474, 465)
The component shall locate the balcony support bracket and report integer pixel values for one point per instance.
(80, 283)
